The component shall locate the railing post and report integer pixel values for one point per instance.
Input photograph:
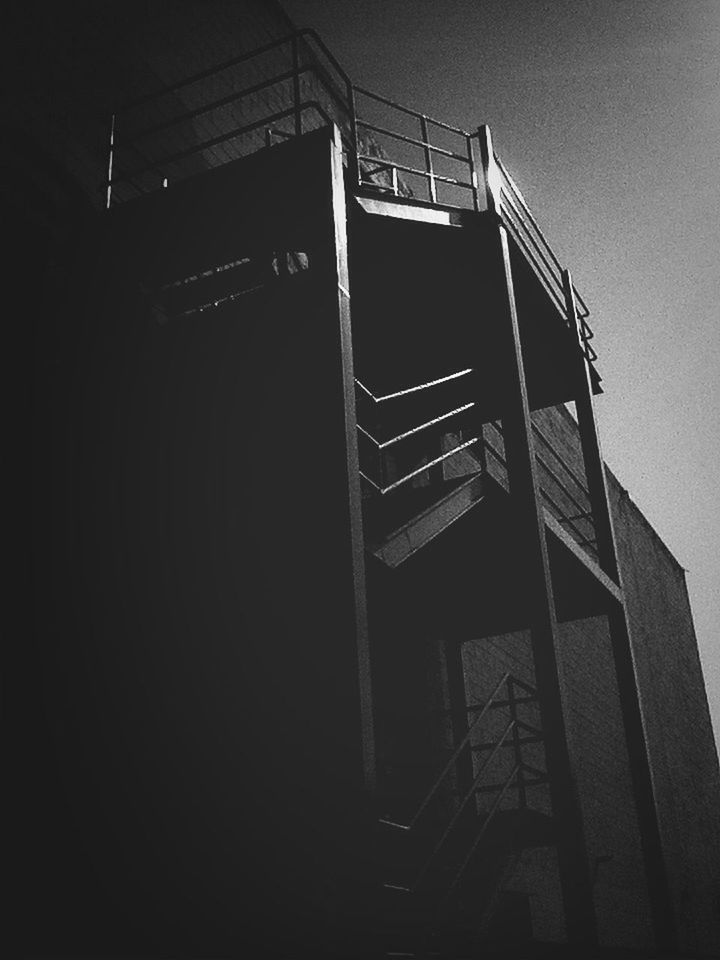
(428, 159)
(473, 171)
(296, 85)
(111, 157)
(487, 161)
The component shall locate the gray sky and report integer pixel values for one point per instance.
(608, 114)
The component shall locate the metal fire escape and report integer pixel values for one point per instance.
(436, 445)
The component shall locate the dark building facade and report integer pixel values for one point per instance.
(345, 641)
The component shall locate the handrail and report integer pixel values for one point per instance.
(330, 56)
(558, 481)
(415, 389)
(413, 113)
(560, 460)
(234, 62)
(317, 69)
(581, 538)
(409, 433)
(515, 779)
(526, 209)
(422, 468)
(511, 199)
(382, 446)
(421, 173)
(527, 240)
(586, 514)
(222, 102)
(209, 72)
(452, 760)
(408, 139)
(515, 194)
(481, 833)
(429, 174)
(469, 794)
(306, 45)
(221, 138)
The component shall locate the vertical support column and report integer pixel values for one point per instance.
(428, 159)
(620, 638)
(575, 875)
(342, 293)
(472, 165)
(487, 165)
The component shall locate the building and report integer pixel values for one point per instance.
(345, 641)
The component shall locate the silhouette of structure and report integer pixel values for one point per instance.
(346, 642)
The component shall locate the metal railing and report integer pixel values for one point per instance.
(461, 155)
(524, 227)
(138, 160)
(381, 460)
(186, 126)
(516, 780)
(564, 492)
(405, 434)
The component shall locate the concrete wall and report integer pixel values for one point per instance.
(680, 739)
(682, 752)
(187, 772)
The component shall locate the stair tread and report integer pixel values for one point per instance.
(435, 510)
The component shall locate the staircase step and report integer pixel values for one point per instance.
(447, 507)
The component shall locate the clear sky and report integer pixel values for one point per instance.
(608, 114)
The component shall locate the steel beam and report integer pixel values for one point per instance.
(341, 303)
(575, 874)
(621, 641)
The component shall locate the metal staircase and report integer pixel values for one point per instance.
(419, 464)
(430, 452)
(446, 856)
(426, 459)
(446, 860)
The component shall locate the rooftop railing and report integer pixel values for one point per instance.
(293, 85)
